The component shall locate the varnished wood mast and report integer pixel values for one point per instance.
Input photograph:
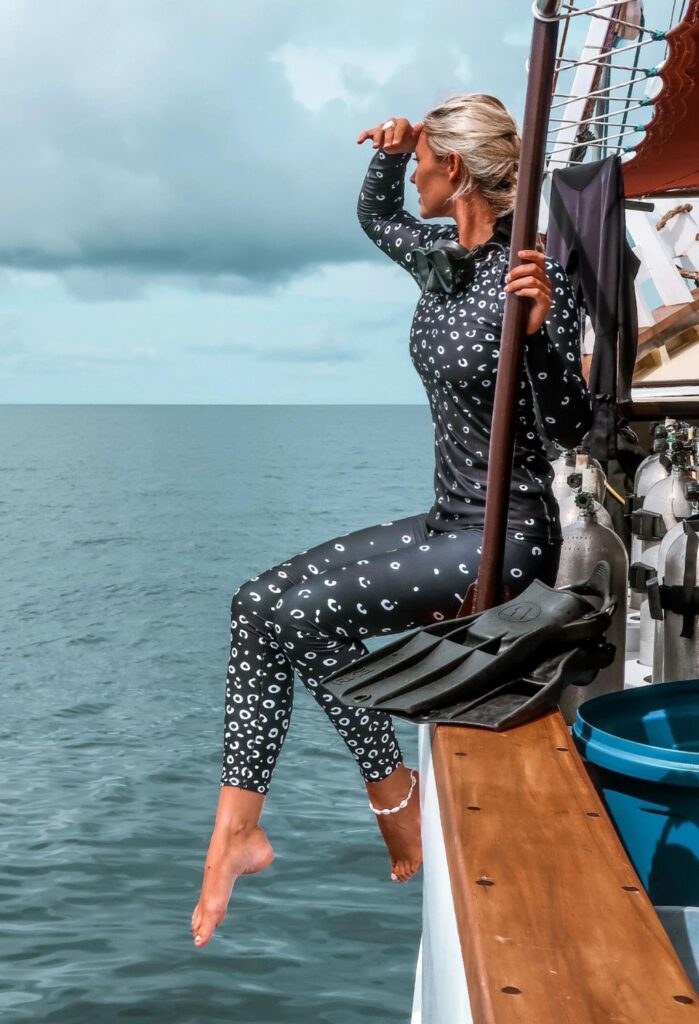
(554, 925)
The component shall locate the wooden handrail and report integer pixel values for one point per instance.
(555, 926)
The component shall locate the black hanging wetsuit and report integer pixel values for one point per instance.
(310, 615)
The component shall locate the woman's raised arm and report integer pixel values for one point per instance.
(380, 207)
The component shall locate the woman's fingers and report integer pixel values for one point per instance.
(389, 133)
(400, 137)
(516, 283)
(534, 256)
(530, 281)
(378, 135)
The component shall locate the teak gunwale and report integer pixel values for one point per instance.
(555, 926)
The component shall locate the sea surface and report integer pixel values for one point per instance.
(123, 532)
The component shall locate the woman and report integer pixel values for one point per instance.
(310, 615)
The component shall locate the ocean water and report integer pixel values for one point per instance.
(123, 532)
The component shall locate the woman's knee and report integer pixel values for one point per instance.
(255, 599)
(291, 617)
(304, 625)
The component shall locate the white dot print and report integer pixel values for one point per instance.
(355, 587)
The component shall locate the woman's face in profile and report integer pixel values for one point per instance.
(432, 181)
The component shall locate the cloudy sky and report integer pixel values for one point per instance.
(178, 190)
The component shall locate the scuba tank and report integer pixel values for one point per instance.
(654, 606)
(562, 467)
(674, 598)
(585, 543)
(653, 468)
(663, 507)
(568, 510)
(576, 461)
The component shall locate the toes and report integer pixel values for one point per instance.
(398, 873)
(206, 928)
(196, 917)
(403, 871)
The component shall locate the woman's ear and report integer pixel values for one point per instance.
(455, 168)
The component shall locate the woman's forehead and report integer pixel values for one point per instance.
(422, 148)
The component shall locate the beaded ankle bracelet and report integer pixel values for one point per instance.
(404, 803)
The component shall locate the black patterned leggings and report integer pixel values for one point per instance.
(309, 615)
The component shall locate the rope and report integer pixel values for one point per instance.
(684, 208)
(602, 126)
(634, 47)
(648, 72)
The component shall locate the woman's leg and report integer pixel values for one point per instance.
(320, 623)
(259, 689)
(259, 692)
(422, 581)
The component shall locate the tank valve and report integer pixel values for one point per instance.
(585, 503)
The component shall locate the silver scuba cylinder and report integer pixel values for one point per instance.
(562, 467)
(655, 467)
(663, 507)
(646, 624)
(653, 602)
(568, 510)
(575, 461)
(676, 597)
(585, 543)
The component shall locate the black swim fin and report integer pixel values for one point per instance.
(495, 669)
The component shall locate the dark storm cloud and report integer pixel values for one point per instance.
(216, 140)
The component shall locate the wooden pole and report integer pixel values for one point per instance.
(502, 436)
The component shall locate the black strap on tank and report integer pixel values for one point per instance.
(653, 593)
(689, 588)
(648, 525)
(633, 502)
(638, 576)
(679, 600)
(682, 599)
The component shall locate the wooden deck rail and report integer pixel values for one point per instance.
(555, 926)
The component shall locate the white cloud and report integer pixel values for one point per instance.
(320, 75)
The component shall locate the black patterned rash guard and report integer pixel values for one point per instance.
(454, 346)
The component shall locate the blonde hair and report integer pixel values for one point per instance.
(485, 135)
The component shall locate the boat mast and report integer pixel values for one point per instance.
(502, 438)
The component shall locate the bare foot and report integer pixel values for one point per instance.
(232, 852)
(400, 831)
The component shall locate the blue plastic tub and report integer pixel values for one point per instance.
(644, 746)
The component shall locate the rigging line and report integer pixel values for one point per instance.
(599, 140)
(646, 101)
(561, 51)
(648, 73)
(630, 24)
(601, 117)
(571, 163)
(609, 53)
(614, 67)
(575, 12)
(630, 89)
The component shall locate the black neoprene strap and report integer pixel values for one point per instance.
(653, 594)
(690, 580)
